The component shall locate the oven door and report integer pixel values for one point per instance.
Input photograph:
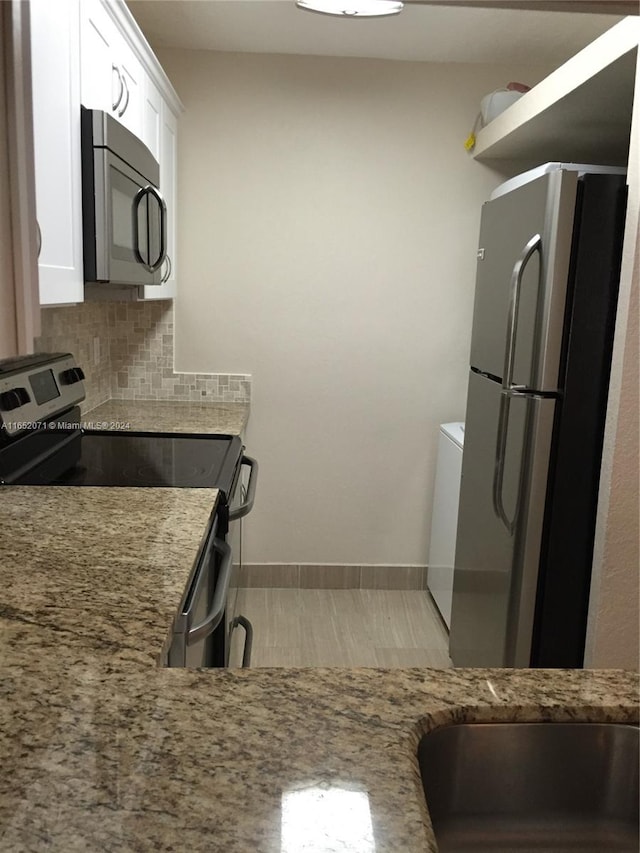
(199, 636)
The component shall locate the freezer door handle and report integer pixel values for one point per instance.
(534, 245)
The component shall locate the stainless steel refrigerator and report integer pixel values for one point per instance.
(546, 289)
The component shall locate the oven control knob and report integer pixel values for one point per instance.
(13, 399)
(72, 375)
(23, 395)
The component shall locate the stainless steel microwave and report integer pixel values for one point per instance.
(124, 215)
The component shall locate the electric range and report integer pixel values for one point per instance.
(43, 444)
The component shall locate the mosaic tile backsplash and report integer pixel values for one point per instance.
(126, 351)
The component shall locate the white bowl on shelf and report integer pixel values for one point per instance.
(497, 102)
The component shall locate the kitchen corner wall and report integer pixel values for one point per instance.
(126, 351)
(328, 216)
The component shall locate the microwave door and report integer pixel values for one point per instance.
(127, 251)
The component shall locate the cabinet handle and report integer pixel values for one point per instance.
(39, 238)
(168, 271)
(121, 81)
(126, 103)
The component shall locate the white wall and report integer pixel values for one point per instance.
(8, 331)
(613, 630)
(613, 636)
(327, 236)
(19, 307)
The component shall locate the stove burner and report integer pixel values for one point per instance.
(148, 474)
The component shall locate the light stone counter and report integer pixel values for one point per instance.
(100, 750)
(169, 416)
(103, 568)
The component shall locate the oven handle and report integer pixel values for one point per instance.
(246, 507)
(248, 639)
(214, 616)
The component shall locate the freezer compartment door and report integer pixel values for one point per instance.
(504, 478)
(521, 282)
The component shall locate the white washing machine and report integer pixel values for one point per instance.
(444, 518)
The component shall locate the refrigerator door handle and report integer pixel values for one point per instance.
(534, 245)
(508, 388)
(501, 452)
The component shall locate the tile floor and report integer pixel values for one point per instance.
(344, 627)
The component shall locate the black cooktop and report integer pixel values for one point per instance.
(94, 458)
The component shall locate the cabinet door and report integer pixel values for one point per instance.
(112, 75)
(168, 188)
(151, 117)
(56, 124)
(130, 68)
(102, 85)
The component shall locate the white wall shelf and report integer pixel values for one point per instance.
(581, 112)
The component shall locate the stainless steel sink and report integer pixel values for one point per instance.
(532, 787)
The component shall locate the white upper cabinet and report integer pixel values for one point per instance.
(92, 52)
(112, 76)
(55, 71)
(133, 78)
(151, 110)
(121, 75)
(169, 186)
(168, 157)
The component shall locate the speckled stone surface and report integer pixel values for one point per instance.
(101, 750)
(169, 416)
(103, 568)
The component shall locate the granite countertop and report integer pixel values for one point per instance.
(96, 758)
(169, 416)
(111, 576)
(101, 749)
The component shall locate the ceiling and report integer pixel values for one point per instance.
(420, 32)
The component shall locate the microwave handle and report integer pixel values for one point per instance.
(146, 262)
(143, 192)
(163, 228)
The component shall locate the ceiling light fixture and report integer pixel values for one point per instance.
(352, 8)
